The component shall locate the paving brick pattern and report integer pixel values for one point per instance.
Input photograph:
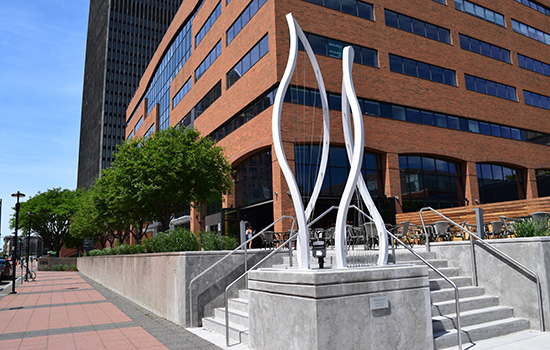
(65, 310)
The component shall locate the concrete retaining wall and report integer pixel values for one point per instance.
(499, 277)
(160, 282)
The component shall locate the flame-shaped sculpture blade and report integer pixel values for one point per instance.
(302, 216)
(354, 148)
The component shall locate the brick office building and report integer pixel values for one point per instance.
(455, 97)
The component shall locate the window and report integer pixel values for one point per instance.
(149, 132)
(536, 100)
(530, 32)
(334, 48)
(543, 182)
(208, 24)
(352, 7)
(243, 19)
(489, 87)
(308, 157)
(248, 113)
(254, 180)
(208, 99)
(428, 181)
(207, 62)
(498, 183)
(422, 70)
(533, 65)
(416, 26)
(138, 124)
(535, 6)
(485, 49)
(181, 93)
(381, 109)
(480, 12)
(248, 61)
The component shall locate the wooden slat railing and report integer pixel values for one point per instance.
(491, 212)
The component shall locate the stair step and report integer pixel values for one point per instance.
(243, 294)
(438, 263)
(481, 331)
(440, 283)
(238, 304)
(472, 317)
(448, 294)
(235, 317)
(237, 333)
(447, 271)
(466, 304)
(402, 255)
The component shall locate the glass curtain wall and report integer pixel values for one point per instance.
(430, 182)
(498, 183)
(543, 182)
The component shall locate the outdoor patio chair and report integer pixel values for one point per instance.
(329, 236)
(539, 215)
(508, 224)
(401, 231)
(371, 235)
(496, 229)
(268, 239)
(441, 231)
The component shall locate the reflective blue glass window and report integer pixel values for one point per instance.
(208, 61)
(181, 93)
(498, 183)
(485, 86)
(536, 100)
(422, 70)
(537, 7)
(483, 48)
(208, 24)
(533, 65)
(416, 26)
(528, 31)
(243, 19)
(480, 12)
(249, 60)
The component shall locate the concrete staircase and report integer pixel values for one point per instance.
(482, 316)
(238, 319)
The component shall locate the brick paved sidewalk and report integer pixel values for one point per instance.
(63, 310)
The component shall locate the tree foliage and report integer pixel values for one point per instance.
(52, 210)
(152, 180)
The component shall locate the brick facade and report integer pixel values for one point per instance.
(388, 138)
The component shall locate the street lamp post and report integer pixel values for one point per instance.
(30, 214)
(16, 195)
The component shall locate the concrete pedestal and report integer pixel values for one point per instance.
(360, 308)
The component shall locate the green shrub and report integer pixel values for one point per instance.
(178, 240)
(73, 267)
(213, 241)
(530, 228)
(109, 251)
(95, 252)
(129, 249)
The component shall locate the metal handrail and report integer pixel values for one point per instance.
(226, 292)
(457, 304)
(498, 252)
(229, 254)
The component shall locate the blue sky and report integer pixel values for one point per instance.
(42, 50)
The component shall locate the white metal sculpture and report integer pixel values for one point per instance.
(302, 216)
(354, 148)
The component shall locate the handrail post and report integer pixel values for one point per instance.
(424, 228)
(474, 263)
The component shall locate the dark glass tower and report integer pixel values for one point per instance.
(122, 37)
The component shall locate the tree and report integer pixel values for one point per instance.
(152, 179)
(53, 211)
